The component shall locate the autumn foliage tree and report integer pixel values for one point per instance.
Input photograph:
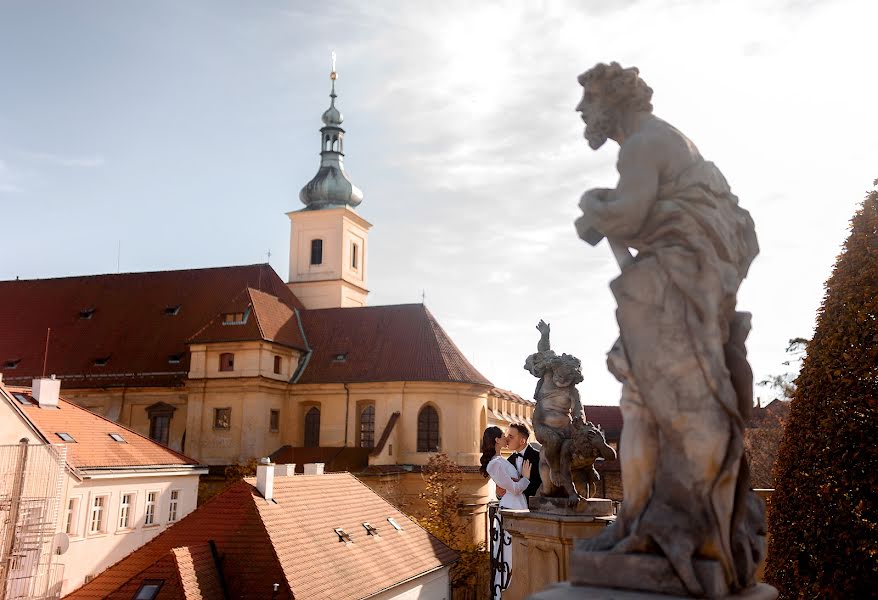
(824, 517)
(442, 479)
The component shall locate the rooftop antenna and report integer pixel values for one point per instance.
(46, 353)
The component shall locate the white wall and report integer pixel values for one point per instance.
(432, 586)
(91, 553)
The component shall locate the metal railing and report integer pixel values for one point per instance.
(500, 544)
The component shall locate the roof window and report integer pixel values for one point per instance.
(174, 359)
(172, 310)
(66, 437)
(149, 589)
(343, 536)
(370, 530)
(102, 361)
(236, 318)
(87, 313)
(22, 398)
(393, 522)
(118, 438)
(11, 364)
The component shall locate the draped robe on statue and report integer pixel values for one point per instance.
(687, 387)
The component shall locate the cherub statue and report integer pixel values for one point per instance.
(580, 453)
(557, 412)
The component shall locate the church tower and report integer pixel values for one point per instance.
(328, 239)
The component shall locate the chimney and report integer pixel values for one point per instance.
(285, 470)
(265, 478)
(314, 468)
(45, 391)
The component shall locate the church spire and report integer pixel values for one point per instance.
(331, 187)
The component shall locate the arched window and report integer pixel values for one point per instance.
(367, 427)
(312, 427)
(316, 252)
(428, 430)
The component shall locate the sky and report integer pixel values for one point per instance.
(143, 136)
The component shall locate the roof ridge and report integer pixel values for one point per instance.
(438, 332)
(133, 273)
(255, 312)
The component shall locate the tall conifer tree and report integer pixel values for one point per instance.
(823, 517)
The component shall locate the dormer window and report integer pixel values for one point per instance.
(87, 313)
(172, 310)
(11, 364)
(316, 252)
(102, 361)
(236, 318)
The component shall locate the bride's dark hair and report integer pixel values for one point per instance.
(489, 443)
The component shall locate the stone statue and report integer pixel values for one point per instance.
(687, 386)
(559, 423)
(578, 457)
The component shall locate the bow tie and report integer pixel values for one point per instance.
(516, 455)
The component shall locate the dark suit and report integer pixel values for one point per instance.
(533, 455)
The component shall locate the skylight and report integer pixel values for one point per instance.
(11, 364)
(66, 437)
(174, 359)
(102, 361)
(172, 310)
(87, 313)
(22, 398)
(149, 589)
(118, 438)
(343, 536)
(393, 522)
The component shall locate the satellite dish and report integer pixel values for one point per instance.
(61, 542)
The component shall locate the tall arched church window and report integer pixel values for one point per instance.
(428, 430)
(312, 427)
(367, 427)
(316, 252)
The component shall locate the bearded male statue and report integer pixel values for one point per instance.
(687, 386)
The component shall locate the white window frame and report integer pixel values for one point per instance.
(102, 514)
(71, 518)
(151, 510)
(127, 510)
(174, 506)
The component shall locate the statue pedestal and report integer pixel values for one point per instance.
(543, 539)
(566, 591)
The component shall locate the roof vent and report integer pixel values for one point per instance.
(87, 313)
(265, 478)
(370, 530)
(343, 536)
(172, 311)
(46, 391)
(11, 364)
(102, 361)
(394, 524)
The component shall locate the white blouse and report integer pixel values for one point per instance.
(503, 473)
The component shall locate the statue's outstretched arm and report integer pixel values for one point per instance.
(544, 329)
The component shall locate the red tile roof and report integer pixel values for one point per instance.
(608, 417)
(129, 325)
(268, 318)
(507, 395)
(291, 541)
(198, 573)
(401, 342)
(94, 447)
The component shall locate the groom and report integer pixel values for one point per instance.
(517, 436)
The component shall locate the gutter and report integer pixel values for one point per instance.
(145, 471)
(305, 359)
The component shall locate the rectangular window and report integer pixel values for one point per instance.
(355, 250)
(97, 521)
(274, 420)
(316, 252)
(126, 507)
(151, 499)
(71, 523)
(159, 428)
(222, 418)
(278, 363)
(172, 506)
(226, 361)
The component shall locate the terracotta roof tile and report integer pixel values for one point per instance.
(400, 342)
(291, 541)
(129, 325)
(507, 395)
(198, 573)
(93, 446)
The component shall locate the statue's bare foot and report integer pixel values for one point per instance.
(573, 499)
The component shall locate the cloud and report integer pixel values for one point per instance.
(57, 160)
